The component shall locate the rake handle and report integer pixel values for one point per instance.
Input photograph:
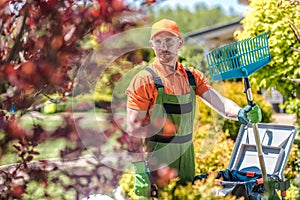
(260, 153)
(248, 92)
(250, 100)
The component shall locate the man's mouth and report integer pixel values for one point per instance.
(165, 52)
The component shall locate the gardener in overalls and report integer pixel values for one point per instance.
(160, 110)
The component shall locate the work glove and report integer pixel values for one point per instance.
(250, 114)
(142, 183)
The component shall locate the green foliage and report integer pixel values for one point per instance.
(267, 15)
(293, 106)
(212, 149)
(200, 190)
(192, 55)
(234, 91)
(293, 193)
(110, 77)
(296, 182)
(278, 17)
(188, 20)
(123, 83)
(116, 77)
(212, 153)
(293, 164)
(50, 107)
(50, 190)
(44, 153)
(127, 184)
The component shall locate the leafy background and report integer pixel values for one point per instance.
(42, 47)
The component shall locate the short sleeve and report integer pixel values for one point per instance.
(202, 84)
(141, 91)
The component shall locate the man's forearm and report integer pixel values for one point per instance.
(224, 106)
(137, 132)
(231, 109)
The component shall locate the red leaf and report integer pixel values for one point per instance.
(29, 158)
(57, 42)
(9, 69)
(3, 2)
(28, 68)
(19, 148)
(118, 5)
(18, 191)
(95, 12)
(34, 152)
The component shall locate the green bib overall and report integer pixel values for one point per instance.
(175, 150)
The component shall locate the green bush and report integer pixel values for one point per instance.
(292, 168)
(123, 83)
(118, 74)
(212, 153)
(200, 190)
(212, 149)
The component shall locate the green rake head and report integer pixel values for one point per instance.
(239, 59)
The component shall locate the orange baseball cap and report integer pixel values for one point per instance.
(165, 25)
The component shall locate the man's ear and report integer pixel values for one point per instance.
(151, 44)
(180, 44)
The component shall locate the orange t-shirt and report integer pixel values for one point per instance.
(142, 93)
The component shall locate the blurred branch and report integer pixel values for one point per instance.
(15, 48)
(57, 162)
(295, 30)
(295, 49)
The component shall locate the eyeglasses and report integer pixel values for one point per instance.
(169, 42)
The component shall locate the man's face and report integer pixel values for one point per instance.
(165, 46)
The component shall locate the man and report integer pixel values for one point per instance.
(161, 106)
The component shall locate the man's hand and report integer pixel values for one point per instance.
(142, 183)
(250, 114)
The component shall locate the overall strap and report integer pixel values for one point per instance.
(172, 139)
(191, 78)
(157, 81)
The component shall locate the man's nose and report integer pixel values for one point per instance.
(164, 46)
